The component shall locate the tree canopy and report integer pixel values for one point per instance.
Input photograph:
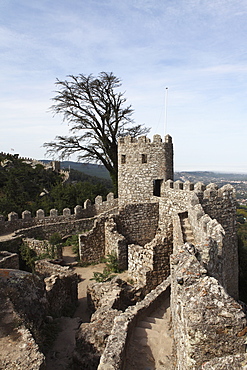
(29, 187)
(96, 111)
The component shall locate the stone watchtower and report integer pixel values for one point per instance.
(142, 167)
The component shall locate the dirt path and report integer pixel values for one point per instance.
(60, 355)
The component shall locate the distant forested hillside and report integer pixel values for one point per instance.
(87, 168)
(29, 187)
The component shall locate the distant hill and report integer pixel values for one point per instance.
(238, 180)
(99, 170)
(207, 176)
(87, 168)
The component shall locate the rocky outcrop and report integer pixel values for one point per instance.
(26, 291)
(61, 285)
(23, 305)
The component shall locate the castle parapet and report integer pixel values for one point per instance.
(12, 216)
(178, 185)
(40, 214)
(188, 186)
(227, 191)
(203, 192)
(66, 212)
(26, 215)
(169, 184)
(15, 223)
(144, 139)
(211, 191)
(53, 212)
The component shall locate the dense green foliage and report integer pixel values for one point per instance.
(29, 256)
(21, 184)
(242, 214)
(242, 250)
(24, 187)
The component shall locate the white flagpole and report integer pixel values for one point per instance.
(166, 96)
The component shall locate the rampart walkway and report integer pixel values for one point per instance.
(150, 346)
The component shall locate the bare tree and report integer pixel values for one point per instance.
(96, 111)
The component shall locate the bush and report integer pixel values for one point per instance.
(111, 266)
(112, 262)
(29, 256)
(55, 239)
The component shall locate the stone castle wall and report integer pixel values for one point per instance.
(142, 166)
(9, 260)
(61, 286)
(115, 243)
(135, 223)
(138, 223)
(43, 247)
(207, 323)
(26, 221)
(209, 326)
(220, 204)
(64, 228)
(149, 265)
(92, 242)
(212, 216)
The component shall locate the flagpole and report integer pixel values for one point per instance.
(166, 96)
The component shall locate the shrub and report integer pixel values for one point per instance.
(111, 266)
(55, 239)
(29, 256)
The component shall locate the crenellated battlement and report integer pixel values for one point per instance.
(204, 192)
(88, 209)
(129, 140)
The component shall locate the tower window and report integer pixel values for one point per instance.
(123, 159)
(144, 158)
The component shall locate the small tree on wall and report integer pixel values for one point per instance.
(96, 111)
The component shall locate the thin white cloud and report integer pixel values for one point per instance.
(195, 47)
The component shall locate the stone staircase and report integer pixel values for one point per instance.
(187, 231)
(150, 346)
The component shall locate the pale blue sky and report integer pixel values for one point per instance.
(196, 48)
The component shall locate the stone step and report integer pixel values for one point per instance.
(188, 237)
(191, 241)
(146, 333)
(185, 221)
(154, 320)
(187, 232)
(154, 326)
